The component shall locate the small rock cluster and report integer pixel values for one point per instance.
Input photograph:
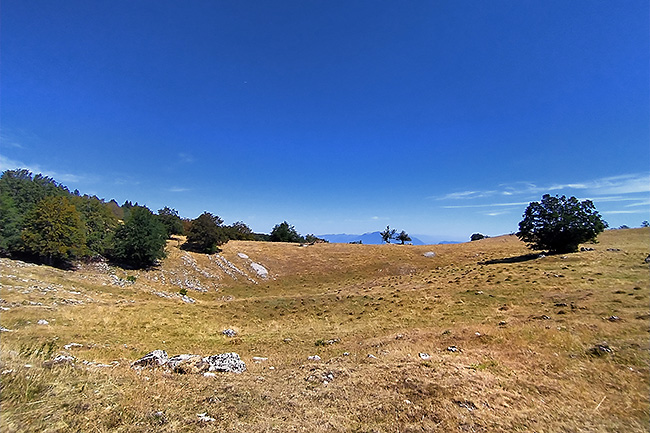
(192, 364)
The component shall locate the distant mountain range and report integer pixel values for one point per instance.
(373, 238)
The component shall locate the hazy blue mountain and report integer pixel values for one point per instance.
(373, 238)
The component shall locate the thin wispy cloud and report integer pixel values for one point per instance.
(496, 213)
(463, 206)
(623, 184)
(616, 212)
(185, 158)
(178, 189)
(11, 164)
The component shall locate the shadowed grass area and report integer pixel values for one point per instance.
(509, 343)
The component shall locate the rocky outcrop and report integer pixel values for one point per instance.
(226, 362)
(152, 359)
(192, 364)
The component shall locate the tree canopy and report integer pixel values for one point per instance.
(171, 220)
(54, 231)
(284, 232)
(403, 237)
(559, 225)
(140, 242)
(206, 234)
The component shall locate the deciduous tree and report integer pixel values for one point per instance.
(206, 234)
(171, 220)
(284, 232)
(54, 231)
(140, 242)
(559, 225)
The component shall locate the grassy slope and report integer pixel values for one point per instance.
(532, 372)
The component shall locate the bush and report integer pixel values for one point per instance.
(477, 237)
(559, 225)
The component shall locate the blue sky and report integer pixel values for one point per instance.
(442, 118)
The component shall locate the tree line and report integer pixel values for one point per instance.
(42, 220)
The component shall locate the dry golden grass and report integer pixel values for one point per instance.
(523, 327)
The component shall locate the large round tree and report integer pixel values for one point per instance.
(560, 224)
(206, 234)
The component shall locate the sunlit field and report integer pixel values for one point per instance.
(485, 336)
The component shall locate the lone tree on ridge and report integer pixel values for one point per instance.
(403, 237)
(388, 234)
(559, 225)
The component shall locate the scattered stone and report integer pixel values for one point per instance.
(155, 358)
(287, 340)
(209, 374)
(59, 360)
(647, 259)
(466, 404)
(260, 270)
(586, 249)
(327, 342)
(3, 329)
(399, 336)
(324, 376)
(204, 417)
(453, 349)
(424, 356)
(258, 359)
(371, 356)
(229, 332)
(503, 323)
(613, 249)
(242, 255)
(187, 299)
(429, 254)
(478, 334)
(43, 322)
(187, 364)
(226, 362)
(71, 345)
(346, 353)
(313, 358)
(614, 319)
(600, 349)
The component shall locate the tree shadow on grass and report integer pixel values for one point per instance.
(516, 259)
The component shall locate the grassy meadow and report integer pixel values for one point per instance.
(483, 337)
